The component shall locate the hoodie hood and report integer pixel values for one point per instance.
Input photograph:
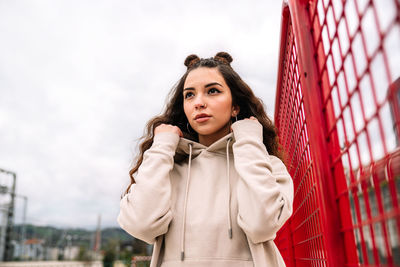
(218, 146)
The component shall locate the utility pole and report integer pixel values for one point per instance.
(7, 254)
(23, 226)
(97, 241)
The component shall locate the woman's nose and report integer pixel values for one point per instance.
(200, 103)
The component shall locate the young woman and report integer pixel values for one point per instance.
(209, 187)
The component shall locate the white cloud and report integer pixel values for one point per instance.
(79, 80)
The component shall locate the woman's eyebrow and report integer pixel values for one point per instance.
(208, 85)
(211, 84)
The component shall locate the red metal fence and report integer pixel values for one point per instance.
(338, 117)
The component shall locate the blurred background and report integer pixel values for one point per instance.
(78, 82)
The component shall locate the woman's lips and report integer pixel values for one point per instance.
(203, 119)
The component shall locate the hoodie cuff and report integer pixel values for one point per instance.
(247, 129)
(167, 138)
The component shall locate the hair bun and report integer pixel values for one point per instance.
(191, 60)
(223, 56)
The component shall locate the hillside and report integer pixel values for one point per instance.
(58, 237)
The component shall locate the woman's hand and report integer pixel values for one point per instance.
(252, 118)
(163, 128)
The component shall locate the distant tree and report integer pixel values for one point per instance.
(126, 256)
(110, 252)
(83, 254)
(60, 257)
(139, 247)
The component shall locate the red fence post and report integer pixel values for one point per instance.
(334, 242)
(285, 242)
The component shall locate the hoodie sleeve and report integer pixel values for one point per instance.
(145, 212)
(264, 189)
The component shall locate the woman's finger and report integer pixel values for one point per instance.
(179, 131)
(251, 118)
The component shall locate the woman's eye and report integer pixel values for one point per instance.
(189, 94)
(213, 91)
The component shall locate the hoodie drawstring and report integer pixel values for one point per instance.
(185, 204)
(229, 190)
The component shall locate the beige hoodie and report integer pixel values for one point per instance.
(220, 207)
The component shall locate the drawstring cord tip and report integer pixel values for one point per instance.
(182, 255)
(230, 233)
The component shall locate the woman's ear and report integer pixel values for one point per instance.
(235, 110)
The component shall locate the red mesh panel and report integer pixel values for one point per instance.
(302, 237)
(354, 71)
(358, 47)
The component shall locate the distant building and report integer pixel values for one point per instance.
(34, 249)
(52, 254)
(394, 101)
(71, 252)
(17, 249)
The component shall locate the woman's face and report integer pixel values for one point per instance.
(207, 103)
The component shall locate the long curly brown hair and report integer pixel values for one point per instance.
(242, 95)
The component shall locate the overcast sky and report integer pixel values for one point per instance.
(80, 79)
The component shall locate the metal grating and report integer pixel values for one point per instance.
(358, 47)
(305, 237)
(341, 60)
